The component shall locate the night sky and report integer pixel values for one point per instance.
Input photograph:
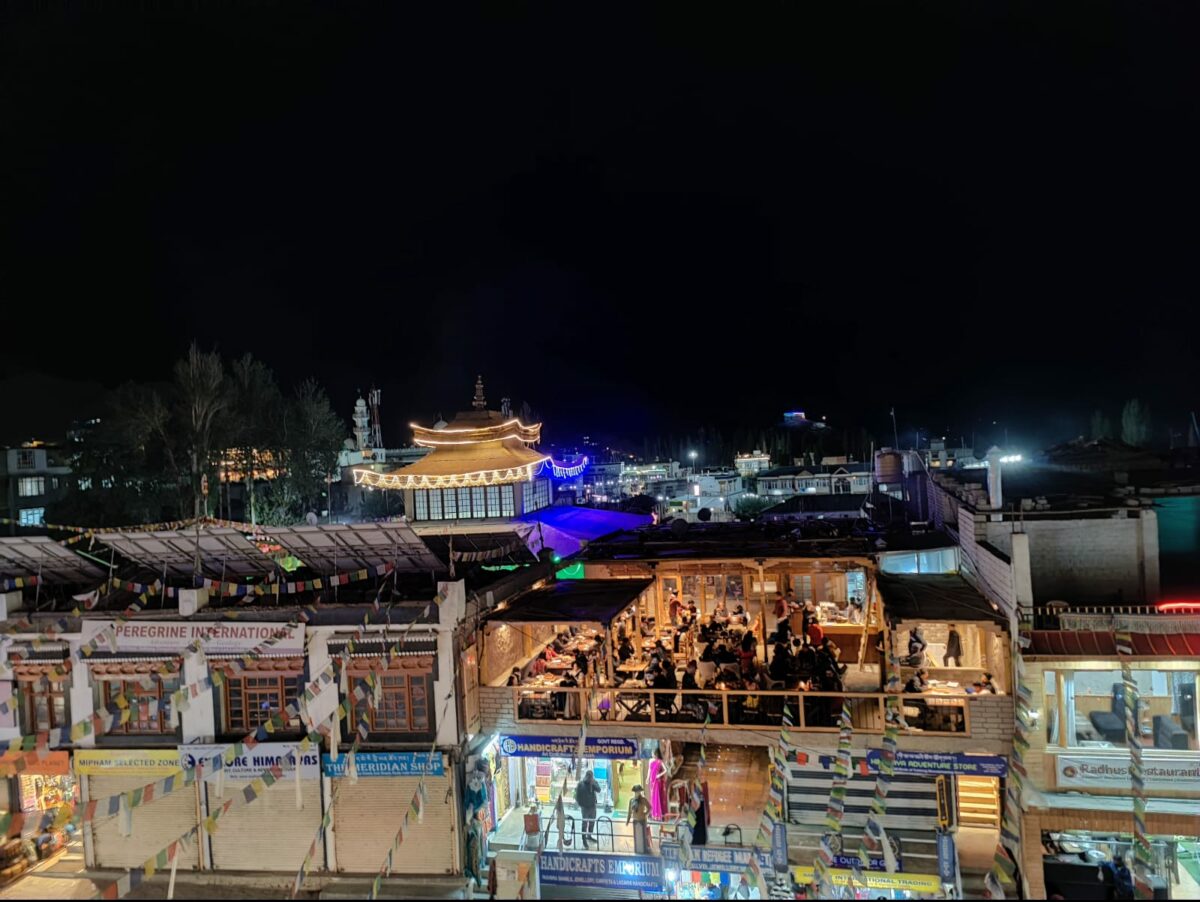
(632, 219)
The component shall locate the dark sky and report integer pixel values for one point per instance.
(628, 216)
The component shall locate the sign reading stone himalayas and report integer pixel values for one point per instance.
(252, 762)
(217, 637)
(386, 764)
(620, 872)
(566, 747)
(943, 763)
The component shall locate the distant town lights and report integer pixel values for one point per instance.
(1010, 459)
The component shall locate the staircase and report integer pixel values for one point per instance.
(979, 802)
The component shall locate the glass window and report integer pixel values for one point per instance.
(28, 486)
(1095, 704)
(150, 704)
(507, 506)
(26, 460)
(477, 509)
(44, 704)
(435, 504)
(856, 584)
(250, 701)
(32, 516)
(493, 501)
(422, 505)
(403, 705)
(464, 503)
(450, 504)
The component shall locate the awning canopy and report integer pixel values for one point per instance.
(338, 547)
(459, 466)
(934, 597)
(42, 557)
(1102, 643)
(574, 601)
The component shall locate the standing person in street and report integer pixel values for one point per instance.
(639, 815)
(953, 648)
(587, 792)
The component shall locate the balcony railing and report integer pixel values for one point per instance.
(811, 712)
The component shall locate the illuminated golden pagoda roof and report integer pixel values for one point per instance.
(479, 447)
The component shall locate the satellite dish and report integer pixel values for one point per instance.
(310, 518)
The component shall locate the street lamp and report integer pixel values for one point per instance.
(692, 455)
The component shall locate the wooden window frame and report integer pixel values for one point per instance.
(52, 689)
(111, 687)
(236, 693)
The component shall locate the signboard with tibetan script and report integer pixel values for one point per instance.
(385, 764)
(172, 636)
(566, 747)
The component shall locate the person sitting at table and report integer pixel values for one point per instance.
(975, 688)
(916, 647)
(815, 633)
(562, 700)
(663, 654)
(514, 678)
(710, 653)
(740, 616)
(833, 652)
(647, 627)
(692, 614)
(749, 651)
(625, 650)
(539, 665)
(988, 684)
(724, 655)
(689, 677)
(918, 682)
(805, 655)
(720, 613)
(781, 663)
(581, 662)
(559, 643)
(809, 616)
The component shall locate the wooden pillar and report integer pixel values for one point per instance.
(1061, 701)
(702, 594)
(658, 613)
(762, 604)
(610, 638)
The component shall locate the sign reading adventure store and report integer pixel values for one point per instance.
(621, 872)
(252, 762)
(222, 637)
(943, 763)
(566, 747)
(386, 764)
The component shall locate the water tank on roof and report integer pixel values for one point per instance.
(889, 467)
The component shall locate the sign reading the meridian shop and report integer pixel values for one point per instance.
(169, 636)
(385, 764)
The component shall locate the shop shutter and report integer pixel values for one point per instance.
(912, 798)
(268, 834)
(367, 814)
(155, 825)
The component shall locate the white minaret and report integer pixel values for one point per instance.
(361, 424)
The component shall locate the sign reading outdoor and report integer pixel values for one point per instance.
(567, 746)
(385, 764)
(943, 763)
(598, 871)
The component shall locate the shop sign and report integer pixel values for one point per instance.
(599, 871)
(849, 862)
(779, 858)
(55, 764)
(385, 764)
(945, 856)
(943, 763)
(912, 883)
(220, 637)
(728, 859)
(149, 763)
(252, 762)
(1112, 772)
(566, 747)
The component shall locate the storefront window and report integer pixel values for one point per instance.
(1094, 706)
(735, 590)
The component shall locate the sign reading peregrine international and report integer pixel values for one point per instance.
(566, 747)
(171, 636)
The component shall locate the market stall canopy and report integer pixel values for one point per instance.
(336, 547)
(223, 552)
(934, 597)
(1103, 644)
(574, 601)
(42, 557)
